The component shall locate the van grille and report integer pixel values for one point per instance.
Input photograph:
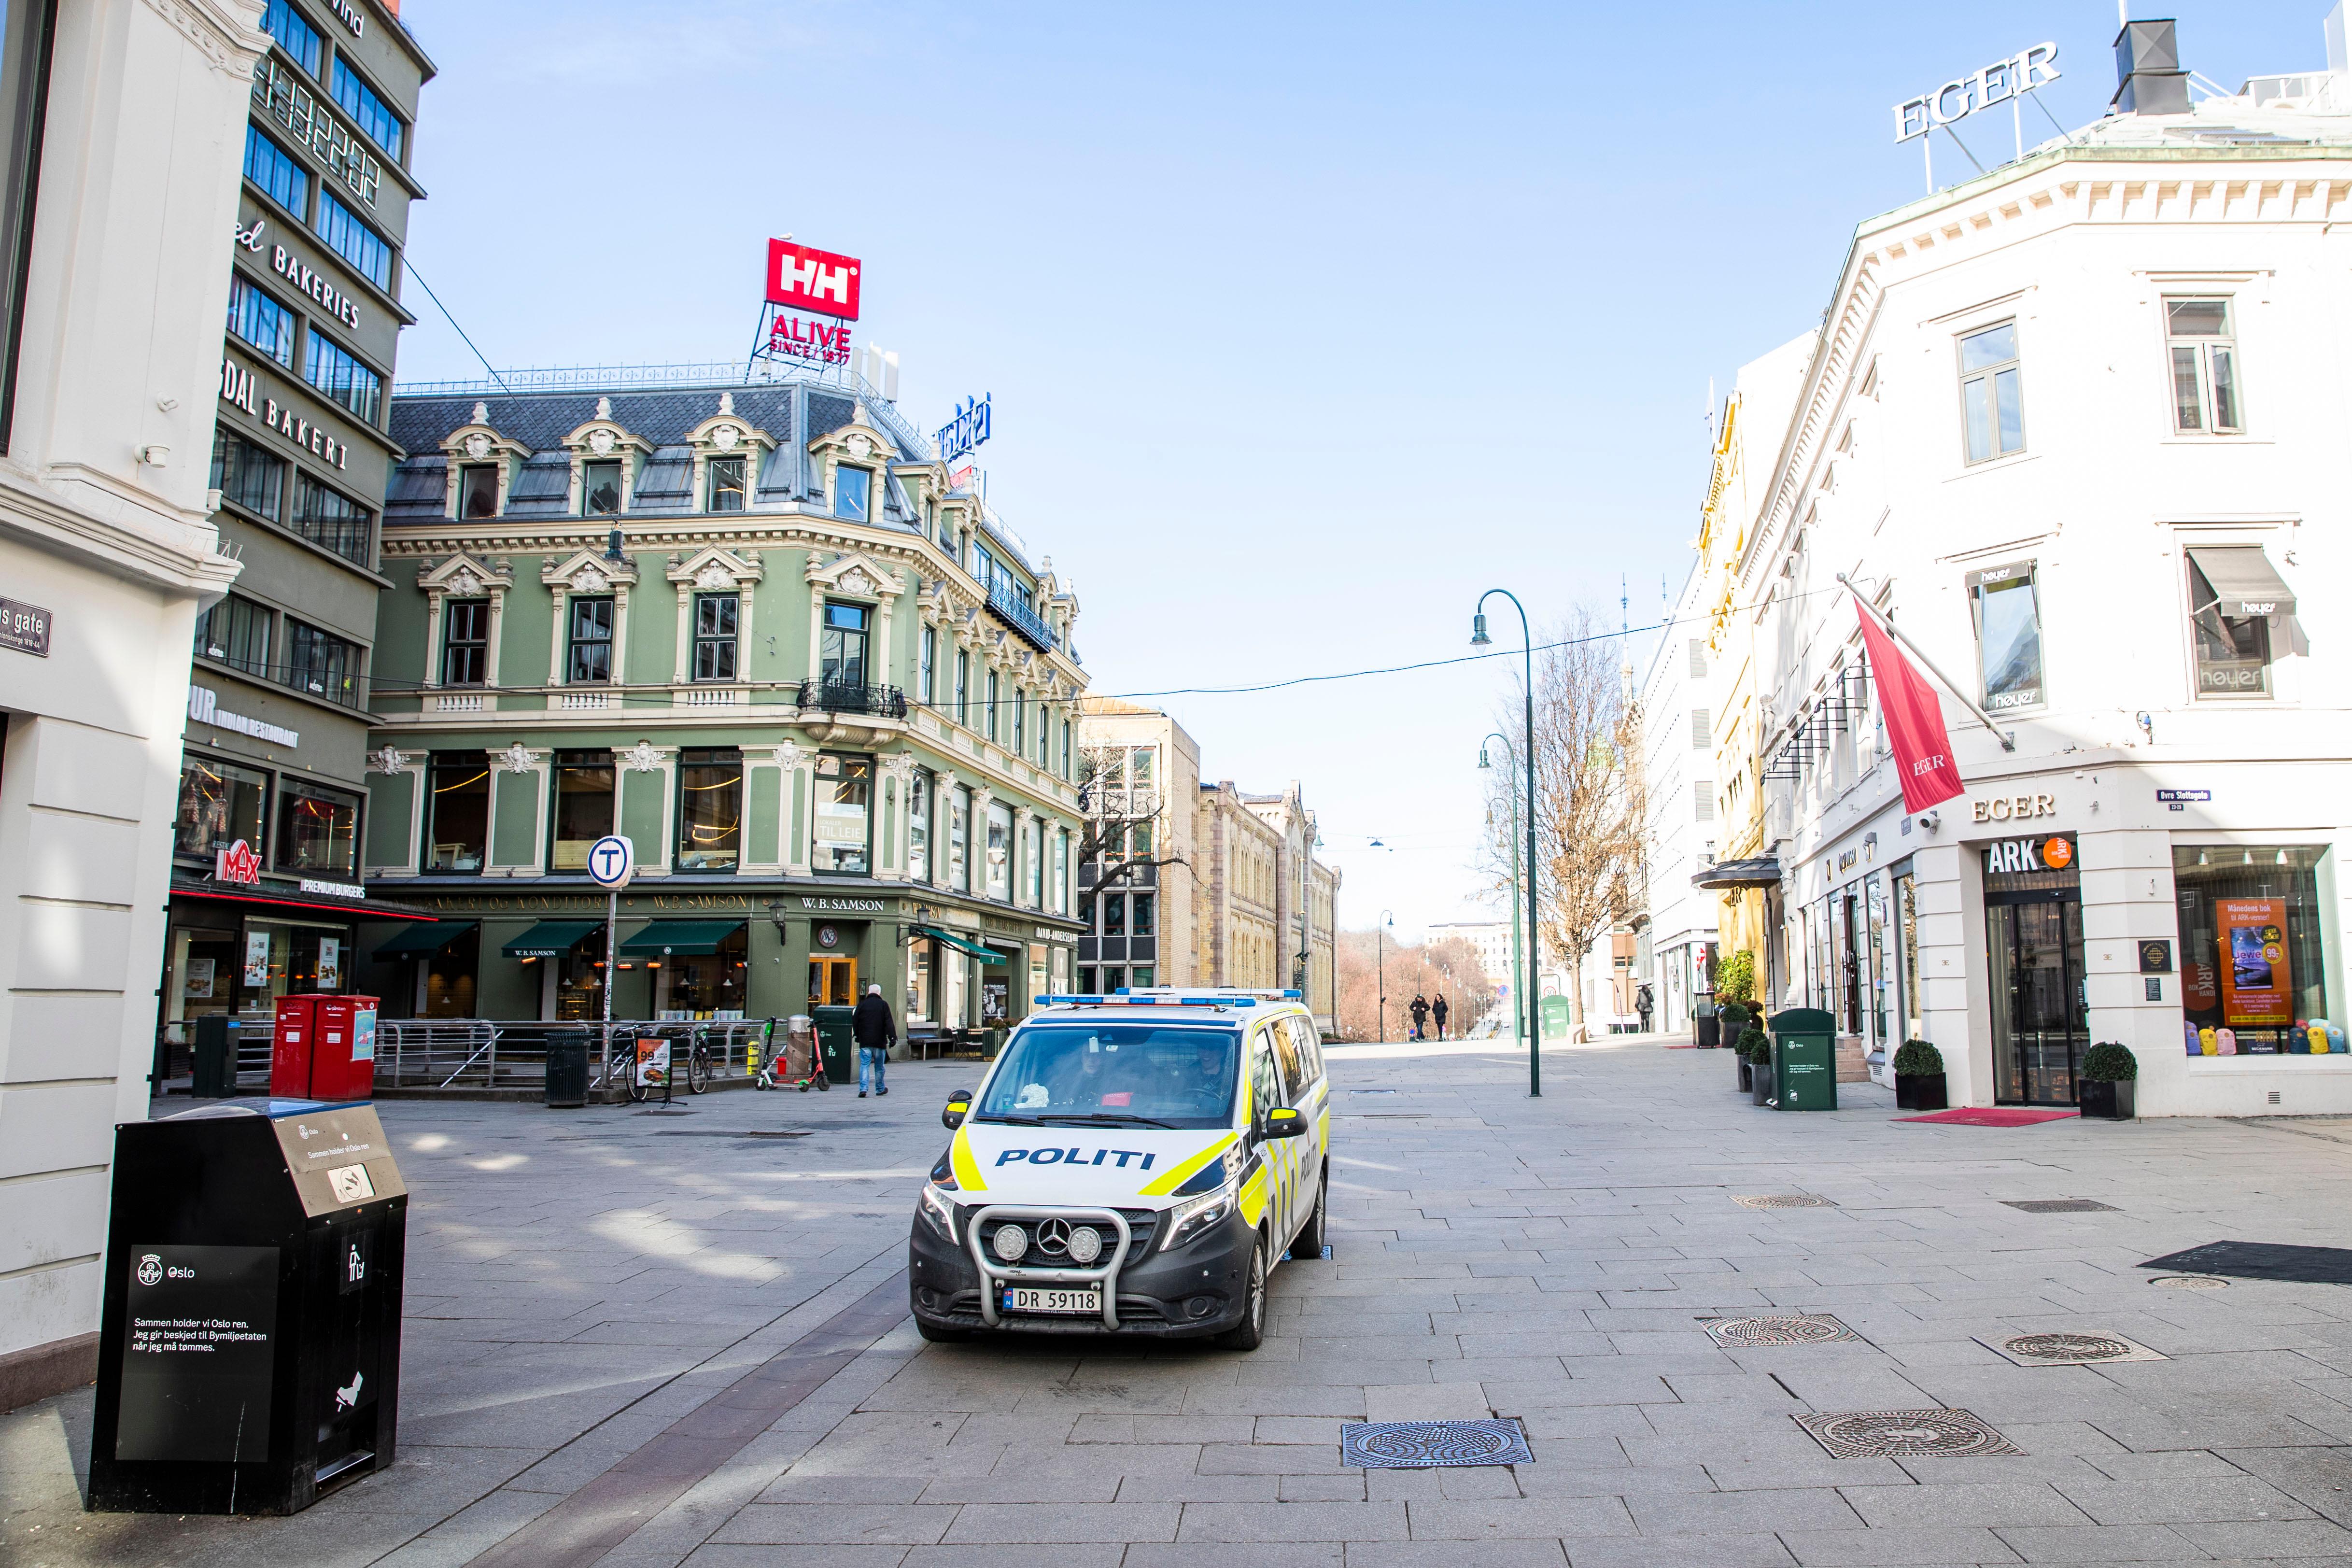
(1141, 1224)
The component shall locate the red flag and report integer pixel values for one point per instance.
(1915, 722)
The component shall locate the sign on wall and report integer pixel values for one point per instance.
(25, 628)
(966, 430)
(1998, 82)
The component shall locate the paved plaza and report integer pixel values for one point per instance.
(659, 1336)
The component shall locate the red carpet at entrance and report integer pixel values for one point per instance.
(1991, 1116)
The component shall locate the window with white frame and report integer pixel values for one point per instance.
(1992, 392)
(715, 618)
(2204, 350)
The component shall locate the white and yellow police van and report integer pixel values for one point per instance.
(1136, 1163)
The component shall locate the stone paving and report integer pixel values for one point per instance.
(578, 1281)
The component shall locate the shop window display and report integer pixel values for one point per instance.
(316, 828)
(919, 827)
(220, 803)
(583, 807)
(845, 798)
(708, 985)
(460, 813)
(2253, 976)
(999, 861)
(710, 810)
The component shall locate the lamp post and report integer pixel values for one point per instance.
(1478, 639)
(1519, 975)
(1379, 969)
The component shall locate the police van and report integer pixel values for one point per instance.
(1136, 1163)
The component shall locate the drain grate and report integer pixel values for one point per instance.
(1783, 1201)
(1433, 1445)
(2070, 1350)
(2060, 1206)
(1904, 1435)
(2190, 1282)
(1799, 1329)
(2264, 1260)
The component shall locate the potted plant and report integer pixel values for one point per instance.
(1757, 1046)
(1747, 1068)
(2104, 1087)
(1919, 1077)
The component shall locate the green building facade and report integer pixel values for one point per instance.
(754, 629)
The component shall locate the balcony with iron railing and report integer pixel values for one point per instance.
(840, 697)
(1008, 608)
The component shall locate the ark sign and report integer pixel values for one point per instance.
(1996, 83)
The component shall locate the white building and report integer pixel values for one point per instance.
(1679, 769)
(107, 552)
(1490, 940)
(2077, 426)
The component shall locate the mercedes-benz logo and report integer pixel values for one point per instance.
(1053, 1236)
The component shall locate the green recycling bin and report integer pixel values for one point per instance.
(1804, 1059)
(835, 1038)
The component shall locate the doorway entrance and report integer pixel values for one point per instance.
(832, 982)
(2034, 931)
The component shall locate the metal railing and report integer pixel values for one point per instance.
(1021, 618)
(504, 1053)
(838, 697)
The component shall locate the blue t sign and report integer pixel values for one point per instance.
(611, 859)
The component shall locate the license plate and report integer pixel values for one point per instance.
(1052, 1300)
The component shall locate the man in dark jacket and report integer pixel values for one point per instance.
(1419, 1010)
(875, 1031)
(1437, 1011)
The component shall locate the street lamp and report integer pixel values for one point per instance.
(1478, 639)
(1519, 975)
(1379, 969)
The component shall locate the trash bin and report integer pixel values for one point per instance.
(249, 1344)
(214, 1068)
(323, 1049)
(567, 1070)
(1804, 1059)
(834, 1037)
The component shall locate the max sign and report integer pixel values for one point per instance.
(807, 280)
(1956, 100)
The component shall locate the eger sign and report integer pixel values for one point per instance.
(1956, 100)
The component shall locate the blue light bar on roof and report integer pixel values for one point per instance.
(1294, 995)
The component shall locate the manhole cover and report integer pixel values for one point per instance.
(2059, 1206)
(1805, 1329)
(1783, 1201)
(2069, 1349)
(1371, 1091)
(1394, 1115)
(1904, 1434)
(1431, 1444)
(2190, 1282)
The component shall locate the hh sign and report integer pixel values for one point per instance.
(807, 280)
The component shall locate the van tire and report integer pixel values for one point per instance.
(1307, 1247)
(1250, 1332)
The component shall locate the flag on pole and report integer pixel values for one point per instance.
(1915, 722)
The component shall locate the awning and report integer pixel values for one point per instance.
(2244, 582)
(550, 939)
(686, 939)
(960, 943)
(423, 938)
(1763, 871)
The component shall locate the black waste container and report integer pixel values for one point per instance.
(248, 1356)
(567, 1070)
(214, 1068)
(834, 1037)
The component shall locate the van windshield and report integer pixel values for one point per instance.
(1135, 1074)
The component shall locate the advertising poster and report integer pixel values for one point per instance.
(331, 963)
(257, 958)
(199, 984)
(653, 1063)
(2255, 985)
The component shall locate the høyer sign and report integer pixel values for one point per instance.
(1996, 83)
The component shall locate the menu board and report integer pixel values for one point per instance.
(2256, 987)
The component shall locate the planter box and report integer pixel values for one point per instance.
(1762, 1074)
(1707, 1032)
(1919, 1091)
(1745, 1081)
(2104, 1102)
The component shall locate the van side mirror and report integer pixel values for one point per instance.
(1283, 1121)
(959, 1107)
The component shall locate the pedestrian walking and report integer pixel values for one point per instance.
(875, 1032)
(1645, 1002)
(1437, 1011)
(1419, 1010)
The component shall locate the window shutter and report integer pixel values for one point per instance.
(1697, 657)
(1703, 799)
(1702, 730)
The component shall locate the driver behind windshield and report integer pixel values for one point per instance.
(1182, 1077)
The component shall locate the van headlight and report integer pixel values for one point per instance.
(1195, 1215)
(939, 1210)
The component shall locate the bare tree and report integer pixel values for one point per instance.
(1372, 962)
(1126, 820)
(1590, 811)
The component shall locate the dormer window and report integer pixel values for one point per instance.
(852, 491)
(727, 493)
(600, 488)
(478, 490)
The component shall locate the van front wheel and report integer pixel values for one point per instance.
(1307, 1247)
(1250, 1332)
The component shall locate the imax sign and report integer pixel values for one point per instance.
(1998, 82)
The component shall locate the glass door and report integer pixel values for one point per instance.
(832, 982)
(2041, 1017)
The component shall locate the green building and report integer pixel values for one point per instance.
(752, 628)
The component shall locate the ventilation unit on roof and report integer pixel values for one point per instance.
(2149, 79)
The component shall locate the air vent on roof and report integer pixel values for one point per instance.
(2149, 79)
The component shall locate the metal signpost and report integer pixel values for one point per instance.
(612, 861)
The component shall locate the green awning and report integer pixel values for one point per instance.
(550, 939)
(425, 938)
(960, 943)
(687, 939)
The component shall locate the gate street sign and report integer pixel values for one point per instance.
(612, 861)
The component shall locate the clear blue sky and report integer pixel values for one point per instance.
(1304, 324)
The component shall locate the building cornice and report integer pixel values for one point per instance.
(34, 514)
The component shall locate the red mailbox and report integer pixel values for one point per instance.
(324, 1048)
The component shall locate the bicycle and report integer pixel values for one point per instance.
(701, 1067)
(620, 1072)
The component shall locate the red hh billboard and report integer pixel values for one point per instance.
(809, 280)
